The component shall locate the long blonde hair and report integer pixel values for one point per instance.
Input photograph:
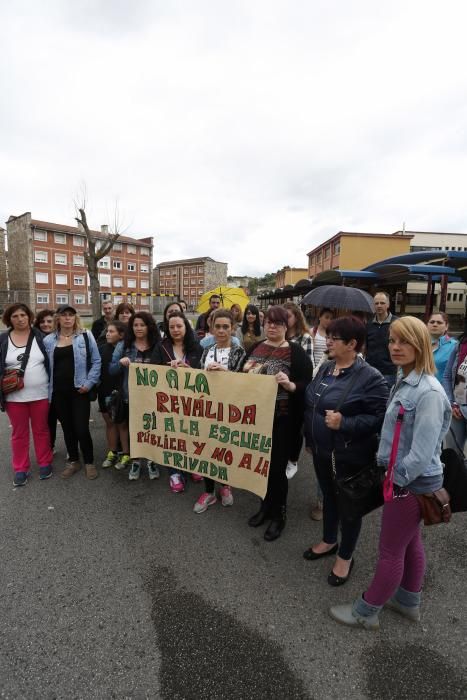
(415, 333)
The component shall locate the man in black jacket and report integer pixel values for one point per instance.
(100, 324)
(377, 337)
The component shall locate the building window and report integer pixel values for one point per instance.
(167, 273)
(80, 299)
(200, 293)
(336, 248)
(104, 262)
(448, 297)
(185, 271)
(60, 259)
(61, 298)
(327, 252)
(117, 264)
(186, 283)
(200, 270)
(192, 281)
(131, 283)
(144, 284)
(131, 267)
(454, 296)
(61, 278)
(144, 267)
(60, 238)
(144, 301)
(117, 247)
(117, 282)
(42, 277)
(145, 251)
(200, 282)
(42, 298)
(131, 248)
(41, 256)
(78, 280)
(318, 258)
(104, 280)
(78, 260)
(461, 296)
(193, 270)
(40, 235)
(78, 241)
(118, 299)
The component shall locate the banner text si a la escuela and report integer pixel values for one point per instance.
(217, 424)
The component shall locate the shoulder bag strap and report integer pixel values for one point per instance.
(347, 389)
(388, 485)
(88, 352)
(27, 352)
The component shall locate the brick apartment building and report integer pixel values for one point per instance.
(189, 279)
(46, 261)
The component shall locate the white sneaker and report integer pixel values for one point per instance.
(153, 470)
(291, 469)
(204, 501)
(134, 471)
(225, 492)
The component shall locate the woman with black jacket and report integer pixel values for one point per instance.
(179, 348)
(350, 433)
(293, 370)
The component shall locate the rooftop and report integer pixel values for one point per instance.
(62, 228)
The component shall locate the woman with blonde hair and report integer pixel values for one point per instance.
(419, 401)
(75, 368)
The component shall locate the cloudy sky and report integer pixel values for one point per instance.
(247, 130)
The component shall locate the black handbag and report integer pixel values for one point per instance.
(361, 492)
(116, 405)
(92, 393)
(455, 479)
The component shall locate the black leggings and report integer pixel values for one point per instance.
(73, 411)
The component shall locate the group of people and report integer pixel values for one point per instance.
(340, 388)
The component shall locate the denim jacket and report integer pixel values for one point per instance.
(116, 368)
(82, 376)
(426, 420)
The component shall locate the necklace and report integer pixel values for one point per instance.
(63, 335)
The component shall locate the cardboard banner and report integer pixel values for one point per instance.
(217, 424)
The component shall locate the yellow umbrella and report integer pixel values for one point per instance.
(229, 296)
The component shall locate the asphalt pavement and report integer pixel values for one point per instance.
(116, 589)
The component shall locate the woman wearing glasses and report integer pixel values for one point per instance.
(350, 432)
(292, 368)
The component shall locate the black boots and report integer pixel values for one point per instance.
(259, 518)
(276, 526)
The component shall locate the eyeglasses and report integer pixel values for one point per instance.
(333, 338)
(274, 323)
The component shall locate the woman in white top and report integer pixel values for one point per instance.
(27, 407)
(223, 356)
(319, 335)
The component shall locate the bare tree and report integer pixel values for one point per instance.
(91, 255)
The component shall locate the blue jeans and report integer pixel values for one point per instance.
(350, 529)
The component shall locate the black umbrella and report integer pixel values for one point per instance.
(340, 297)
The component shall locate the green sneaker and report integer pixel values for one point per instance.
(110, 460)
(123, 462)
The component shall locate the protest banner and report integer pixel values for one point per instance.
(217, 424)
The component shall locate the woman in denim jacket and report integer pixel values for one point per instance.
(70, 383)
(400, 570)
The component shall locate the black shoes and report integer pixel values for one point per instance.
(258, 518)
(274, 529)
(335, 580)
(310, 555)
